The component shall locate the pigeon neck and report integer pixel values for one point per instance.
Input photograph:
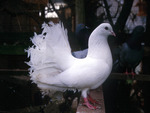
(99, 49)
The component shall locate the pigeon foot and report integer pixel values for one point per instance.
(90, 106)
(93, 101)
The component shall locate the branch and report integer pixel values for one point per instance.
(53, 7)
(117, 9)
(125, 12)
(108, 13)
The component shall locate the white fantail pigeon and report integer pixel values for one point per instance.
(53, 68)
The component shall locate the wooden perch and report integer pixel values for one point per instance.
(140, 77)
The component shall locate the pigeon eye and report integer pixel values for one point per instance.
(106, 28)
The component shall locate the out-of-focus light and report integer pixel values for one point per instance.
(51, 15)
(40, 14)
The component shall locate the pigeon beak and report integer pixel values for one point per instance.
(113, 33)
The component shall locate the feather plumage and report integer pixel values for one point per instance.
(53, 68)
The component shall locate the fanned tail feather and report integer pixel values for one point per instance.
(49, 54)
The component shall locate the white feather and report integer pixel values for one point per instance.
(53, 68)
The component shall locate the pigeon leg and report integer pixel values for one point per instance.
(93, 101)
(126, 72)
(132, 73)
(86, 103)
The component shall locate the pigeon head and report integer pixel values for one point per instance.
(79, 28)
(105, 29)
(136, 38)
(101, 33)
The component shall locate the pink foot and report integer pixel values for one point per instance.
(86, 103)
(133, 74)
(93, 101)
(126, 72)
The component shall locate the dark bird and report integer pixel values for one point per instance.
(130, 54)
(82, 34)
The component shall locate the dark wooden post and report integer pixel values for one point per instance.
(80, 11)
